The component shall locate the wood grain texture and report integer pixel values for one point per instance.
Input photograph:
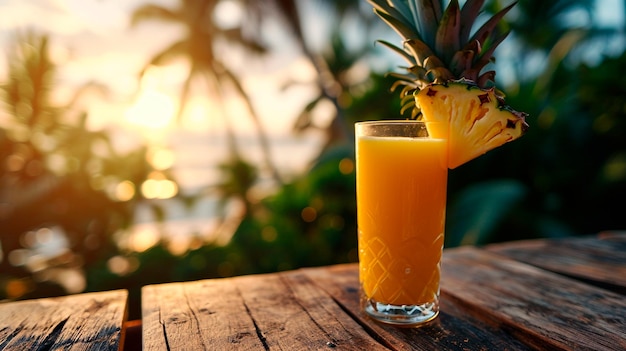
(450, 331)
(294, 314)
(600, 260)
(272, 312)
(514, 296)
(91, 321)
(202, 315)
(540, 308)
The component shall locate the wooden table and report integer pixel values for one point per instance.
(543, 294)
(90, 321)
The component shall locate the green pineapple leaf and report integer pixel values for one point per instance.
(427, 15)
(469, 13)
(488, 32)
(448, 39)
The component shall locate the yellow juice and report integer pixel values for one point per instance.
(401, 201)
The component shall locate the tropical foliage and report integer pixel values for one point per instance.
(200, 46)
(61, 183)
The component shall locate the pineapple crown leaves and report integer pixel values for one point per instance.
(438, 42)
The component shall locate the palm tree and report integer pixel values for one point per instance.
(52, 177)
(331, 66)
(198, 47)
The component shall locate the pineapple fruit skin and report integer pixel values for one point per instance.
(472, 119)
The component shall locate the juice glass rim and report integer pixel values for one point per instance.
(426, 126)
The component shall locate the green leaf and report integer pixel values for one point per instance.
(397, 23)
(469, 13)
(427, 15)
(477, 211)
(461, 61)
(485, 32)
(401, 6)
(408, 58)
(419, 50)
(448, 39)
(485, 54)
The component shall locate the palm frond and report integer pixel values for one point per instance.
(153, 12)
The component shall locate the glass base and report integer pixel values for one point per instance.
(403, 315)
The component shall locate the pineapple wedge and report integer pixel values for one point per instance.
(473, 120)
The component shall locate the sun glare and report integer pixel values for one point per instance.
(152, 109)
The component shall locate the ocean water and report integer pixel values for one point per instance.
(196, 157)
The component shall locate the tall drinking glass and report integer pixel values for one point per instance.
(401, 177)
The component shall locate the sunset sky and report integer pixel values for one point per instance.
(93, 41)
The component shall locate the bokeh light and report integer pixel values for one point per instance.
(269, 234)
(346, 166)
(122, 265)
(16, 287)
(125, 190)
(308, 214)
(161, 158)
(143, 239)
(72, 280)
(158, 187)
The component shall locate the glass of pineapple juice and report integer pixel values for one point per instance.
(401, 176)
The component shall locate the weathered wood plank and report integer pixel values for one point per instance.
(338, 326)
(280, 311)
(292, 313)
(542, 309)
(201, 315)
(600, 260)
(91, 321)
(490, 301)
(450, 331)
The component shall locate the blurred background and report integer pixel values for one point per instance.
(154, 141)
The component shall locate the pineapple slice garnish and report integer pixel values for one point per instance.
(473, 120)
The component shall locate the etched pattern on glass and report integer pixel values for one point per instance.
(398, 279)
